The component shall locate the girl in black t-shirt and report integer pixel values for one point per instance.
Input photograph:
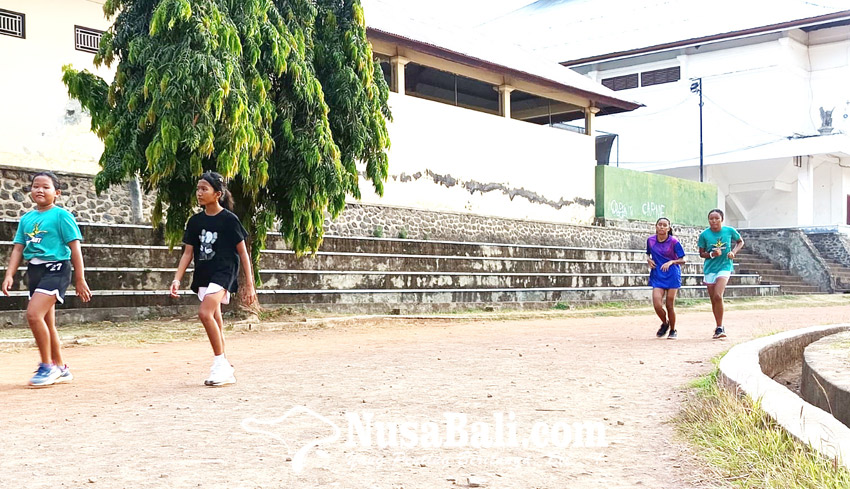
(215, 240)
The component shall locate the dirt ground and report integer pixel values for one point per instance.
(141, 418)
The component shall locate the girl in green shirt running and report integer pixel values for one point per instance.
(715, 246)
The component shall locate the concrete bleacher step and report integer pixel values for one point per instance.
(750, 263)
(129, 268)
(160, 278)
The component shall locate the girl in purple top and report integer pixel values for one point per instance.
(664, 254)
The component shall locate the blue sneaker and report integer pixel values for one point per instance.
(65, 375)
(45, 375)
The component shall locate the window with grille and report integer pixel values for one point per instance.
(624, 82)
(13, 24)
(657, 77)
(86, 39)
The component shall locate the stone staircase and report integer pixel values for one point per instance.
(129, 269)
(751, 264)
(840, 273)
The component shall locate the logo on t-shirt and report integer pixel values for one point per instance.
(34, 235)
(207, 240)
(719, 245)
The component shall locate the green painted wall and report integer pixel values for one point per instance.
(639, 196)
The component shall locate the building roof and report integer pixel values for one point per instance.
(577, 31)
(388, 22)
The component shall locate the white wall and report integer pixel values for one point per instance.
(34, 129)
(755, 96)
(752, 95)
(485, 164)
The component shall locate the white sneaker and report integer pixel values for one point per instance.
(221, 374)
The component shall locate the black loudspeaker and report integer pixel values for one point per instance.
(604, 142)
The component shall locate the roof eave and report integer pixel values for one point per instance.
(599, 100)
(782, 26)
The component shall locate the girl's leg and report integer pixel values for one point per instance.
(39, 306)
(671, 312)
(210, 307)
(55, 344)
(658, 304)
(220, 322)
(715, 292)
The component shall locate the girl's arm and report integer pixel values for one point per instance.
(738, 245)
(706, 254)
(245, 262)
(185, 260)
(80, 285)
(678, 261)
(14, 262)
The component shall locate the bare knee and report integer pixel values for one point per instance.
(34, 316)
(206, 315)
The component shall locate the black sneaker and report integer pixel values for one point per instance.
(719, 333)
(673, 334)
(662, 330)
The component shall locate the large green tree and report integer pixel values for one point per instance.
(282, 97)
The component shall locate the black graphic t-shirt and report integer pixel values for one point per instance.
(214, 240)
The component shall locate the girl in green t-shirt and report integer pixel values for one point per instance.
(716, 247)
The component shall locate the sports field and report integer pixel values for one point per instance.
(579, 402)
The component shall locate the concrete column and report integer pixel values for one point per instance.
(505, 100)
(397, 64)
(589, 114)
(805, 192)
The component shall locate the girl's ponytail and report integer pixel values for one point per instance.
(226, 199)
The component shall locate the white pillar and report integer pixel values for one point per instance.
(505, 100)
(837, 196)
(397, 64)
(589, 114)
(805, 192)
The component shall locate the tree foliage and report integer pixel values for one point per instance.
(282, 97)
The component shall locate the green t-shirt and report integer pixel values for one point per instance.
(723, 240)
(46, 234)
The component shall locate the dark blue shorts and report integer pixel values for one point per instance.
(51, 278)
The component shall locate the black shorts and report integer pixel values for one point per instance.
(52, 278)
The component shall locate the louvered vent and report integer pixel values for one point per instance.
(13, 24)
(87, 40)
(624, 82)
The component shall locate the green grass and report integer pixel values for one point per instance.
(745, 447)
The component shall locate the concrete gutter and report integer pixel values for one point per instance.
(747, 369)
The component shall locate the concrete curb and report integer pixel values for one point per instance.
(747, 368)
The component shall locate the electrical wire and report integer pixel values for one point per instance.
(715, 104)
(656, 162)
(638, 114)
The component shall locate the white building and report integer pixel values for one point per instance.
(461, 137)
(768, 69)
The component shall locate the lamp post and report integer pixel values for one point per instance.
(696, 87)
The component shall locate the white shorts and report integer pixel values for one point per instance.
(212, 289)
(710, 278)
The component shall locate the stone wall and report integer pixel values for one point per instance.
(832, 245)
(393, 222)
(123, 204)
(790, 249)
(126, 205)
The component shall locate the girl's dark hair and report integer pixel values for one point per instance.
(217, 183)
(717, 211)
(670, 224)
(49, 174)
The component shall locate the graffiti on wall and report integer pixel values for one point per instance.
(648, 210)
